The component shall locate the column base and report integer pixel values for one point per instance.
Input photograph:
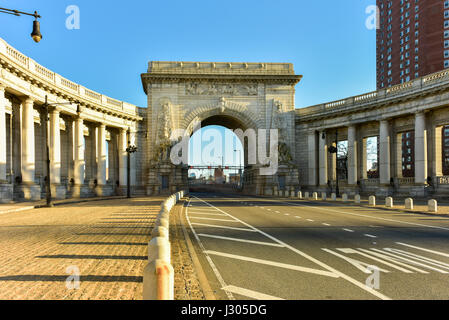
(419, 191)
(58, 191)
(104, 191)
(6, 193)
(28, 192)
(384, 191)
(81, 191)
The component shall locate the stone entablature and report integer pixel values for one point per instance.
(397, 95)
(27, 77)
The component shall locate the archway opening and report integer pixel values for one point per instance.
(216, 155)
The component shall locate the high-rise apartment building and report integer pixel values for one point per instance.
(412, 41)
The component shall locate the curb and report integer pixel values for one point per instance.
(202, 279)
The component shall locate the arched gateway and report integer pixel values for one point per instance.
(184, 95)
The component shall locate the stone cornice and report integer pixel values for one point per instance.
(38, 76)
(148, 78)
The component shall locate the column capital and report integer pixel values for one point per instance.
(420, 114)
(54, 110)
(28, 100)
(2, 87)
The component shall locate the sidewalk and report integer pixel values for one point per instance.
(22, 206)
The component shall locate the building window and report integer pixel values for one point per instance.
(446, 150)
(408, 154)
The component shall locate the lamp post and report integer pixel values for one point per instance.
(240, 165)
(131, 149)
(46, 106)
(333, 150)
(36, 34)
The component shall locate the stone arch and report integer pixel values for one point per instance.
(236, 113)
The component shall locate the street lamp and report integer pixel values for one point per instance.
(332, 150)
(46, 106)
(36, 34)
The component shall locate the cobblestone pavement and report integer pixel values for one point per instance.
(106, 240)
(187, 286)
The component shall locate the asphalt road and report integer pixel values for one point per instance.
(268, 248)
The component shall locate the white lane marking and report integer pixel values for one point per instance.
(277, 212)
(361, 215)
(241, 240)
(362, 266)
(213, 219)
(348, 230)
(298, 217)
(394, 260)
(419, 258)
(250, 294)
(369, 235)
(423, 249)
(221, 227)
(207, 214)
(326, 224)
(305, 255)
(269, 209)
(310, 220)
(399, 256)
(363, 254)
(274, 264)
(209, 260)
(286, 214)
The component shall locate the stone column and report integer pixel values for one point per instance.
(352, 156)
(364, 160)
(420, 149)
(55, 147)
(3, 160)
(101, 162)
(399, 155)
(437, 150)
(79, 162)
(122, 157)
(28, 148)
(323, 159)
(312, 158)
(384, 154)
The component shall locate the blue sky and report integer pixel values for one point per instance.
(326, 40)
